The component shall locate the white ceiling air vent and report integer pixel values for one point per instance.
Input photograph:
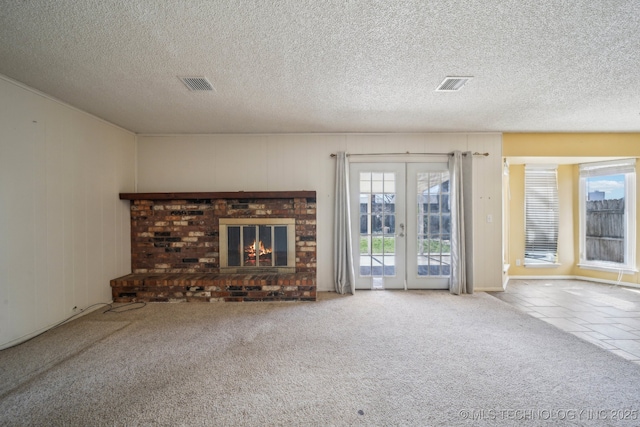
(197, 83)
(452, 84)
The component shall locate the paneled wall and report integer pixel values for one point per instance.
(292, 162)
(64, 232)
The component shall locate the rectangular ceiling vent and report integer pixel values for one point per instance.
(197, 83)
(452, 84)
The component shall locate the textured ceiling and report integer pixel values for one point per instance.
(333, 66)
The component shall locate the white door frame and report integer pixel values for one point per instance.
(406, 225)
(414, 279)
(397, 280)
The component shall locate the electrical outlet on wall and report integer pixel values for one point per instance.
(518, 263)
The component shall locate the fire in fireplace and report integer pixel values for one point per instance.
(257, 243)
(262, 245)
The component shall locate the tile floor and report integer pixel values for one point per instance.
(606, 315)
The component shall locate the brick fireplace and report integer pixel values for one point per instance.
(176, 247)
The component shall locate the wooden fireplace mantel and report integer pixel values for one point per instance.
(219, 195)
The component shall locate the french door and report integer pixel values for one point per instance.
(401, 225)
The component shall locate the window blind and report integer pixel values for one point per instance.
(541, 213)
(613, 167)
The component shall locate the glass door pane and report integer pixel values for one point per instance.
(280, 246)
(265, 250)
(234, 246)
(378, 206)
(434, 224)
(249, 244)
(429, 220)
(377, 234)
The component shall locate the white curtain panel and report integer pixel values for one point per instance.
(460, 183)
(467, 184)
(344, 277)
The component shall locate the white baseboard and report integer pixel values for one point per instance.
(586, 279)
(493, 289)
(541, 277)
(608, 282)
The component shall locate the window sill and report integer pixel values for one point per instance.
(611, 269)
(542, 265)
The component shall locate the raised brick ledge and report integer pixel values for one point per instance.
(213, 287)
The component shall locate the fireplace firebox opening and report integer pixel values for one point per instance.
(257, 244)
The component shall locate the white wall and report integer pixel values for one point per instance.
(302, 162)
(64, 231)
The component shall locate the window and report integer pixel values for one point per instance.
(607, 215)
(541, 215)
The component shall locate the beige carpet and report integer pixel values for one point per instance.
(419, 358)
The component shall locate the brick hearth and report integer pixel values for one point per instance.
(175, 247)
(212, 287)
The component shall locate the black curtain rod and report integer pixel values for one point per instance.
(410, 154)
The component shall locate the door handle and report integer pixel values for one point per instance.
(401, 230)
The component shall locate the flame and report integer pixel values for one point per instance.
(263, 250)
(250, 251)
